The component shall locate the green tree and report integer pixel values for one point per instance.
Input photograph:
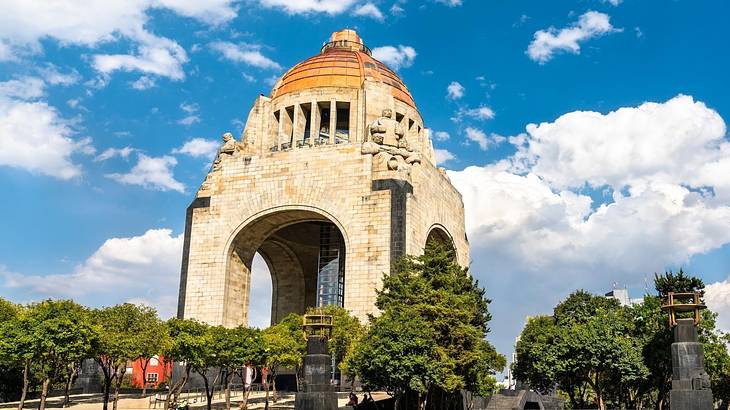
(284, 347)
(61, 333)
(148, 341)
(16, 352)
(399, 354)
(443, 294)
(187, 344)
(236, 348)
(119, 330)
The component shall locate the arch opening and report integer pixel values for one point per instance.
(304, 253)
(439, 235)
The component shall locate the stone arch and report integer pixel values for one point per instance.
(439, 233)
(289, 238)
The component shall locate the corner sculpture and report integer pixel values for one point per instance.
(690, 383)
(388, 144)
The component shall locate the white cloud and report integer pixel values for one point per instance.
(396, 9)
(717, 298)
(162, 57)
(441, 135)
(110, 153)
(52, 75)
(143, 83)
(24, 88)
(213, 12)
(23, 24)
(138, 268)
(484, 141)
(192, 117)
(33, 135)
(455, 90)
(151, 173)
(369, 10)
(442, 155)
(613, 2)
(480, 113)
(199, 147)
(395, 57)
(244, 53)
(331, 7)
(530, 219)
(680, 141)
(547, 42)
(450, 3)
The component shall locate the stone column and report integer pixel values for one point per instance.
(297, 126)
(318, 394)
(280, 131)
(690, 382)
(314, 122)
(333, 120)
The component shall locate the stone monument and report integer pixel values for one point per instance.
(332, 180)
(318, 392)
(690, 382)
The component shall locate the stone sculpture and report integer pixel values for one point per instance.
(388, 143)
(230, 147)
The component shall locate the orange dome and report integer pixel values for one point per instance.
(344, 61)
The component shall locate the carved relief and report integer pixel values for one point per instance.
(387, 143)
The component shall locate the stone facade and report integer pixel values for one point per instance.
(289, 177)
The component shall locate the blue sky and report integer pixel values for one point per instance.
(110, 112)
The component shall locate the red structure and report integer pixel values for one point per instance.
(156, 372)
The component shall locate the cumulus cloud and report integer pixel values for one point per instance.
(151, 173)
(198, 147)
(442, 155)
(547, 42)
(244, 53)
(597, 198)
(24, 88)
(160, 57)
(369, 10)
(717, 298)
(33, 135)
(137, 268)
(455, 90)
(395, 57)
(680, 141)
(23, 24)
(331, 7)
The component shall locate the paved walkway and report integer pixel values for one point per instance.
(134, 402)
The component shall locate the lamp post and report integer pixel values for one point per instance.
(318, 393)
(690, 382)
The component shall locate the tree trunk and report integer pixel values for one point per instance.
(208, 393)
(273, 387)
(26, 381)
(174, 391)
(228, 390)
(44, 393)
(70, 378)
(118, 384)
(143, 364)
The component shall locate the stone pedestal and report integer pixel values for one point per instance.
(318, 394)
(690, 382)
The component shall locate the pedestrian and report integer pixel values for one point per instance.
(353, 400)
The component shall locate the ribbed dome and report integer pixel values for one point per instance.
(344, 61)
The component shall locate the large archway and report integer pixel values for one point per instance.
(305, 253)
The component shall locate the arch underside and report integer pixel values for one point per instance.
(291, 244)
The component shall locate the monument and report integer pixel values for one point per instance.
(690, 382)
(332, 180)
